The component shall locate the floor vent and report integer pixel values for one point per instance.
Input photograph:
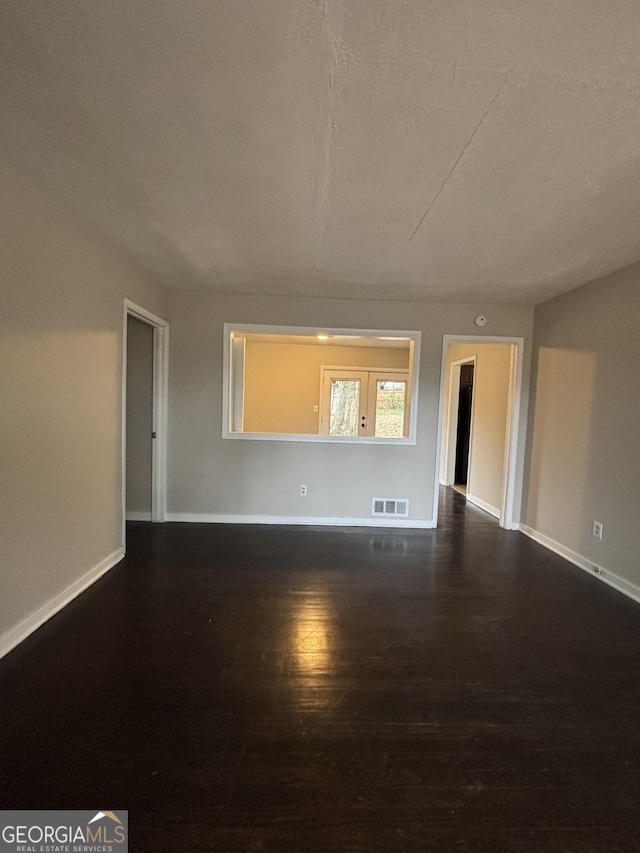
(389, 506)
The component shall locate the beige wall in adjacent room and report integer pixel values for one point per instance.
(583, 444)
(282, 381)
(61, 320)
(212, 476)
(139, 415)
(490, 403)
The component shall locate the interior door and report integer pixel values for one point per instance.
(139, 420)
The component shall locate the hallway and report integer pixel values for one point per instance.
(242, 688)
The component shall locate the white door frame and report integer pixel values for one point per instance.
(450, 443)
(507, 509)
(160, 395)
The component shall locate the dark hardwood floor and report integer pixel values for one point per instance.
(247, 688)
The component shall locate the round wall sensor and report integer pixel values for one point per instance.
(480, 320)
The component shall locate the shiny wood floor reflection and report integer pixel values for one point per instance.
(297, 689)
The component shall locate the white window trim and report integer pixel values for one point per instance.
(319, 330)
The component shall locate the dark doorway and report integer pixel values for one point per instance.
(463, 435)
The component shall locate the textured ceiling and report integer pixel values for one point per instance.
(483, 150)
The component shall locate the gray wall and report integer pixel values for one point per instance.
(583, 443)
(211, 476)
(61, 304)
(139, 416)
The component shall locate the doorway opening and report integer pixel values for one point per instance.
(479, 414)
(463, 426)
(144, 415)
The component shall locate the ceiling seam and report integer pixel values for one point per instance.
(330, 27)
(453, 168)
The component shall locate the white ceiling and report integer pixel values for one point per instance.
(481, 150)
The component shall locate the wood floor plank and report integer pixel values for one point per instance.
(314, 689)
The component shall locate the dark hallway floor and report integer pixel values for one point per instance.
(242, 688)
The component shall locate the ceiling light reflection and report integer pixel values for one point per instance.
(311, 637)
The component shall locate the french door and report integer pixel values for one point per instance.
(356, 402)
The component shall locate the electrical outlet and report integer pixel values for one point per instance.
(303, 491)
(596, 529)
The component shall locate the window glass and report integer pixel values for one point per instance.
(344, 406)
(390, 397)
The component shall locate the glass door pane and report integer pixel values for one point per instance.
(390, 404)
(344, 407)
(366, 403)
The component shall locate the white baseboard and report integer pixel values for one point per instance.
(622, 585)
(212, 518)
(492, 510)
(138, 516)
(21, 631)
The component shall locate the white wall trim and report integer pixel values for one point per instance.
(322, 520)
(622, 585)
(160, 408)
(492, 510)
(139, 516)
(21, 631)
(312, 438)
